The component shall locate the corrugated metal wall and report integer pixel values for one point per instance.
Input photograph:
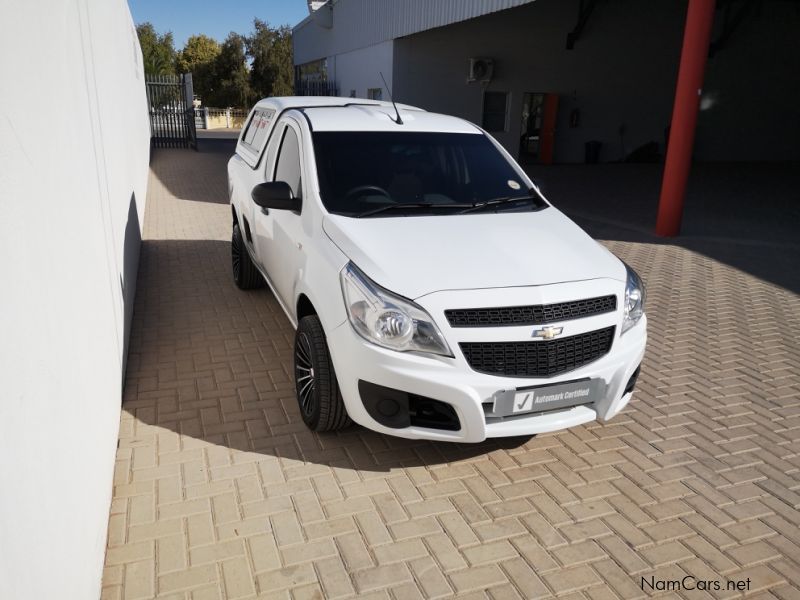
(361, 23)
(419, 15)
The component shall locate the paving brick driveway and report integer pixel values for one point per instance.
(221, 492)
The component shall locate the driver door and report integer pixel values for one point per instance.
(263, 219)
(279, 232)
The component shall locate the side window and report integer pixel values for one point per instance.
(288, 167)
(272, 150)
(261, 133)
(252, 127)
(257, 128)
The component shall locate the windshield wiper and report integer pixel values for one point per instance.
(407, 205)
(496, 202)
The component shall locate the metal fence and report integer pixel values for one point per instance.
(172, 119)
(315, 88)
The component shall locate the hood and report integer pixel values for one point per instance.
(418, 255)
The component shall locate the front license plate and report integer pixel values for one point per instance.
(561, 395)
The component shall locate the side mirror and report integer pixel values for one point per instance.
(275, 194)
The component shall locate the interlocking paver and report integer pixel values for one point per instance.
(220, 491)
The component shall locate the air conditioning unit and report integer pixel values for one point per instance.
(481, 69)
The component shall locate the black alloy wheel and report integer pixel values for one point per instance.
(245, 273)
(318, 396)
(304, 375)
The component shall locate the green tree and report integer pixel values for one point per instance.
(198, 57)
(272, 70)
(158, 50)
(230, 75)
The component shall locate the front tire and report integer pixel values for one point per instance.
(318, 394)
(245, 274)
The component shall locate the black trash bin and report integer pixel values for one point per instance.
(593, 152)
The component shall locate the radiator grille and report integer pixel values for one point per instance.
(538, 358)
(530, 315)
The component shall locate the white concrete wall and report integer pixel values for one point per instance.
(360, 70)
(73, 173)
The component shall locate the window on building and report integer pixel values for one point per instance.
(375, 93)
(288, 167)
(311, 79)
(531, 126)
(313, 71)
(495, 111)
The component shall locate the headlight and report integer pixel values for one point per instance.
(634, 300)
(386, 319)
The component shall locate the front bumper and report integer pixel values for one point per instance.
(451, 380)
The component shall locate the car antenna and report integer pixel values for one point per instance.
(399, 121)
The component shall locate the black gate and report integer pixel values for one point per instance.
(169, 98)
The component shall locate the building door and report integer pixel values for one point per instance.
(537, 140)
(548, 129)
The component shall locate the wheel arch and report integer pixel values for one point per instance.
(304, 307)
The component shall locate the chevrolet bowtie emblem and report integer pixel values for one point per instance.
(547, 333)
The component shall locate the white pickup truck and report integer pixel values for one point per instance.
(435, 292)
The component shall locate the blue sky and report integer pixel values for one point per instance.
(214, 18)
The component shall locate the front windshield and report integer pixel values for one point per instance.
(365, 172)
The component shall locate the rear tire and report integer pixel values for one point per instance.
(318, 394)
(245, 274)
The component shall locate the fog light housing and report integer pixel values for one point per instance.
(632, 381)
(398, 409)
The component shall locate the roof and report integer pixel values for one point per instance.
(382, 118)
(281, 103)
(354, 24)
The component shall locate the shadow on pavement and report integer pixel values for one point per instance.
(131, 247)
(199, 176)
(212, 362)
(774, 263)
(745, 215)
(216, 145)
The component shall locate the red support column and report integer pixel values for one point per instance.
(696, 37)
